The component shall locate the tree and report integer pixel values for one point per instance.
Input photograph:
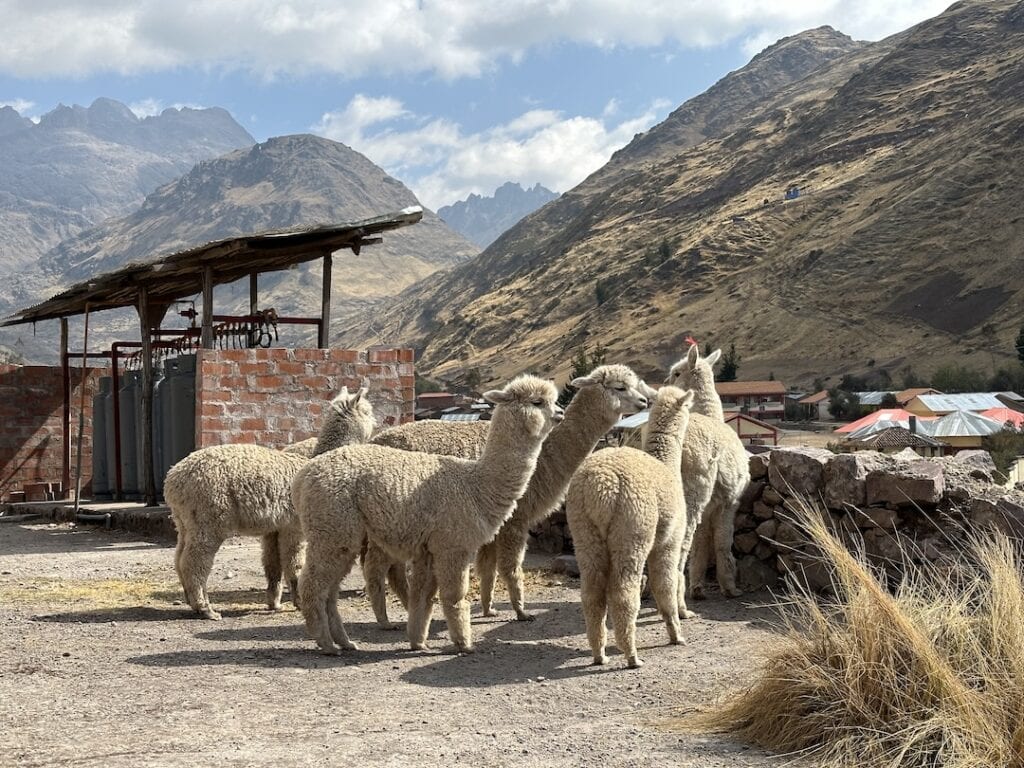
(953, 379)
(910, 379)
(1020, 345)
(602, 291)
(582, 364)
(889, 400)
(730, 364)
(473, 379)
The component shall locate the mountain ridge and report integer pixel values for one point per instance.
(482, 219)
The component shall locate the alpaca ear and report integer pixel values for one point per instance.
(497, 397)
(583, 381)
(647, 390)
(363, 392)
(713, 357)
(688, 397)
(693, 356)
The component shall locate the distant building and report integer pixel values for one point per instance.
(752, 431)
(764, 400)
(815, 407)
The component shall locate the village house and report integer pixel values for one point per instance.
(764, 400)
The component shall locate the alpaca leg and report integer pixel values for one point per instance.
(293, 557)
(624, 605)
(453, 583)
(272, 570)
(486, 565)
(422, 586)
(398, 580)
(318, 589)
(511, 552)
(592, 558)
(663, 575)
(725, 563)
(375, 572)
(700, 554)
(194, 567)
(336, 625)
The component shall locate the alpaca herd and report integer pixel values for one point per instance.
(420, 503)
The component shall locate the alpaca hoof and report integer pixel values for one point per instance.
(524, 616)
(600, 661)
(489, 612)
(419, 647)
(274, 607)
(634, 663)
(464, 650)
(697, 593)
(733, 592)
(678, 640)
(209, 613)
(349, 646)
(686, 613)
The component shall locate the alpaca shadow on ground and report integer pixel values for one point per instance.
(144, 613)
(36, 540)
(262, 656)
(501, 663)
(359, 630)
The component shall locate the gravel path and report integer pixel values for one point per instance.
(103, 666)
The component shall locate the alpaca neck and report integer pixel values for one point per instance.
(706, 401)
(665, 440)
(586, 420)
(504, 469)
(338, 431)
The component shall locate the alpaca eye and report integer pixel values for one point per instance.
(538, 403)
(620, 389)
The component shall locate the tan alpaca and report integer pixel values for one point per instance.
(626, 507)
(604, 395)
(436, 511)
(232, 490)
(717, 472)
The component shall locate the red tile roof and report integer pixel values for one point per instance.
(734, 388)
(814, 399)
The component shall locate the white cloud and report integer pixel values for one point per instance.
(21, 106)
(442, 163)
(449, 38)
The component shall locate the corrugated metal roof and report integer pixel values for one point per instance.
(750, 387)
(872, 398)
(634, 421)
(817, 397)
(968, 401)
(963, 424)
(460, 417)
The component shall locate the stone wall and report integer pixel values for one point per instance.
(892, 507)
(275, 397)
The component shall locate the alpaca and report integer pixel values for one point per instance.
(434, 510)
(604, 395)
(626, 507)
(716, 461)
(229, 490)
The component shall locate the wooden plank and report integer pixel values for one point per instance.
(325, 302)
(253, 292)
(206, 335)
(65, 423)
(146, 325)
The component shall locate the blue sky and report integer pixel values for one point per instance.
(450, 96)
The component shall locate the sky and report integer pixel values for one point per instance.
(451, 96)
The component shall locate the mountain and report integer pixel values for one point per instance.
(80, 165)
(906, 238)
(481, 220)
(289, 181)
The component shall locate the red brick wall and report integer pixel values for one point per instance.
(31, 442)
(275, 397)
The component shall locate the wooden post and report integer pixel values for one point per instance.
(253, 301)
(148, 479)
(206, 334)
(325, 303)
(65, 423)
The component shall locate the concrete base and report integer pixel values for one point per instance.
(130, 516)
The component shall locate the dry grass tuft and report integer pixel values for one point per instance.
(931, 675)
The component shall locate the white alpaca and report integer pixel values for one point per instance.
(626, 507)
(717, 470)
(230, 490)
(604, 395)
(434, 510)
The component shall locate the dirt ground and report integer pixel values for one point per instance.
(103, 666)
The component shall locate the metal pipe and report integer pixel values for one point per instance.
(81, 415)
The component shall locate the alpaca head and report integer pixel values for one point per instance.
(671, 411)
(694, 371)
(355, 409)
(624, 392)
(530, 399)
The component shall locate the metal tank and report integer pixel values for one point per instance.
(130, 396)
(101, 470)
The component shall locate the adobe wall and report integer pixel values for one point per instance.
(275, 397)
(31, 439)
